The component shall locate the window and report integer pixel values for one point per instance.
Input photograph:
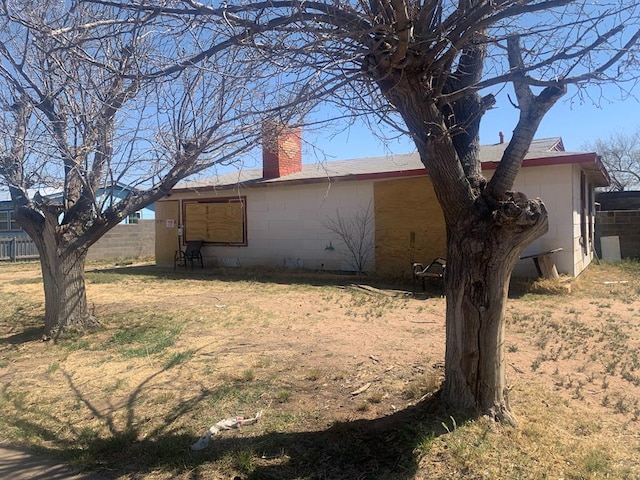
(134, 218)
(220, 221)
(7, 221)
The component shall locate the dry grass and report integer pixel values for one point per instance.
(178, 352)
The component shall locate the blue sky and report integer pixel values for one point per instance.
(576, 122)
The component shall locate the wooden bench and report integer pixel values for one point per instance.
(544, 263)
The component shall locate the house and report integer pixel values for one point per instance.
(122, 241)
(279, 215)
(8, 225)
(14, 242)
(112, 194)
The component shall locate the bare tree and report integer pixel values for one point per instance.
(621, 155)
(431, 69)
(356, 233)
(92, 99)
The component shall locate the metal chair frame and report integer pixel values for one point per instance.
(190, 254)
(436, 269)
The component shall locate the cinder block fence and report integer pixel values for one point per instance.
(624, 224)
(126, 241)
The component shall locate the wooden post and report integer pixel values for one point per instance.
(544, 263)
(546, 267)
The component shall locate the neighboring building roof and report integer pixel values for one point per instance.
(120, 190)
(5, 196)
(117, 189)
(547, 151)
(624, 200)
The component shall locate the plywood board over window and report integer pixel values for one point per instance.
(409, 225)
(216, 221)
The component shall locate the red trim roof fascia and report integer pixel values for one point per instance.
(548, 161)
(306, 181)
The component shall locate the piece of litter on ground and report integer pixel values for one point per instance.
(614, 282)
(219, 305)
(362, 389)
(226, 424)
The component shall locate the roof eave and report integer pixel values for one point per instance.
(263, 183)
(590, 161)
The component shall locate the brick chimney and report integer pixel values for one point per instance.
(281, 150)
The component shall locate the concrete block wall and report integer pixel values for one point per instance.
(285, 227)
(126, 241)
(624, 224)
(553, 184)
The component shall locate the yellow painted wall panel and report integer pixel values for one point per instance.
(409, 225)
(167, 220)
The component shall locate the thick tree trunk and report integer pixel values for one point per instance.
(488, 226)
(63, 278)
(481, 254)
(65, 293)
(486, 232)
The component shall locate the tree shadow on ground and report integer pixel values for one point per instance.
(379, 449)
(22, 463)
(29, 334)
(398, 287)
(430, 292)
(385, 448)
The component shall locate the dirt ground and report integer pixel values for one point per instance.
(310, 352)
